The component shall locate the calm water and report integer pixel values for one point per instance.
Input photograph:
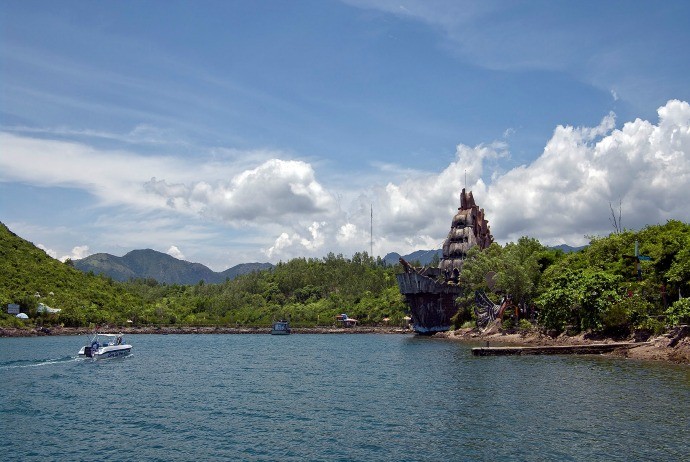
(333, 397)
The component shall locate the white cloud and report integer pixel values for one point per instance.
(309, 242)
(560, 197)
(50, 252)
(78, 252)
(283, 241)
(271, 192)
(173, 251)
(348, 233)
(565, 193)
(215, 188)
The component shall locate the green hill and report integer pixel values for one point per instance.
(30, 277)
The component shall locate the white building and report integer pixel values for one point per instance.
(42, 308)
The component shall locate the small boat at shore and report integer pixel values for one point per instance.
(105, 346)
(280, 328)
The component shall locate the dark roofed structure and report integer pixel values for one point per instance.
(431, 292)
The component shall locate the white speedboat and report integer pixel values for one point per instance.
(105, 346)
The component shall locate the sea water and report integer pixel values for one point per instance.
(333, 397)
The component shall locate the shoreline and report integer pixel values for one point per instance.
(57, 330)
(672, 347)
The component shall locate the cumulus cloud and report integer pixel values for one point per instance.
(270, 192)
(50, 252)
(566, 192)
(173, 251)
(308, 242)
(213, 188)
(78, 252)
(560, 197)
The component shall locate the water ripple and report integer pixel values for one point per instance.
(349, 397)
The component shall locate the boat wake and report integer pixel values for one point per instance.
(35, 362)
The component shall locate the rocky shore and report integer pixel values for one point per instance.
(673, 346)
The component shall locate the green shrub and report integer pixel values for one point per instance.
(679, 312)
(652, 325)
(524, 325)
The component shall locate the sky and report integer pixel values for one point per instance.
(227, 132)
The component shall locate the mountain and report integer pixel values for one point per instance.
(244, 268)
(568, 249)
(150, 264)
(424, 257)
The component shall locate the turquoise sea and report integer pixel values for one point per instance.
(333, 397)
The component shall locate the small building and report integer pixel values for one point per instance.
(12, 308)
(43, 308)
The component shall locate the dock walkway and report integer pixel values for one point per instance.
(595, 348)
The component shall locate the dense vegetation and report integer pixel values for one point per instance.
(29, 277)
(597, 288)
(309, 292)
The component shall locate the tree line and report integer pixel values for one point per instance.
(598, 288)
(605, 287)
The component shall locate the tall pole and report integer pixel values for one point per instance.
(371, 229)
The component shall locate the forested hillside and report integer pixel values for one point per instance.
(310, 292)
(597, 288)
(30, 277)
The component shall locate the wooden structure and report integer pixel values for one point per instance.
(431, 292)
(595, 348)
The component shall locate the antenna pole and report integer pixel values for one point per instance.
(371, 229)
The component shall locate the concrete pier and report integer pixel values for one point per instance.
(595, 348)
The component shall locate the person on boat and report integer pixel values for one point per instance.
(119, 339)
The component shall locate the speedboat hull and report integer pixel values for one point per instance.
(116, 351)
(105, 346)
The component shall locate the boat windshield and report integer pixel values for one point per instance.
(108, 339)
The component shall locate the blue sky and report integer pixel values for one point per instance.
(232, 131)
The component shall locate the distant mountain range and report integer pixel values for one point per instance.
(567, 249)
(425, 257)
(151, 264)
(144, 264)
